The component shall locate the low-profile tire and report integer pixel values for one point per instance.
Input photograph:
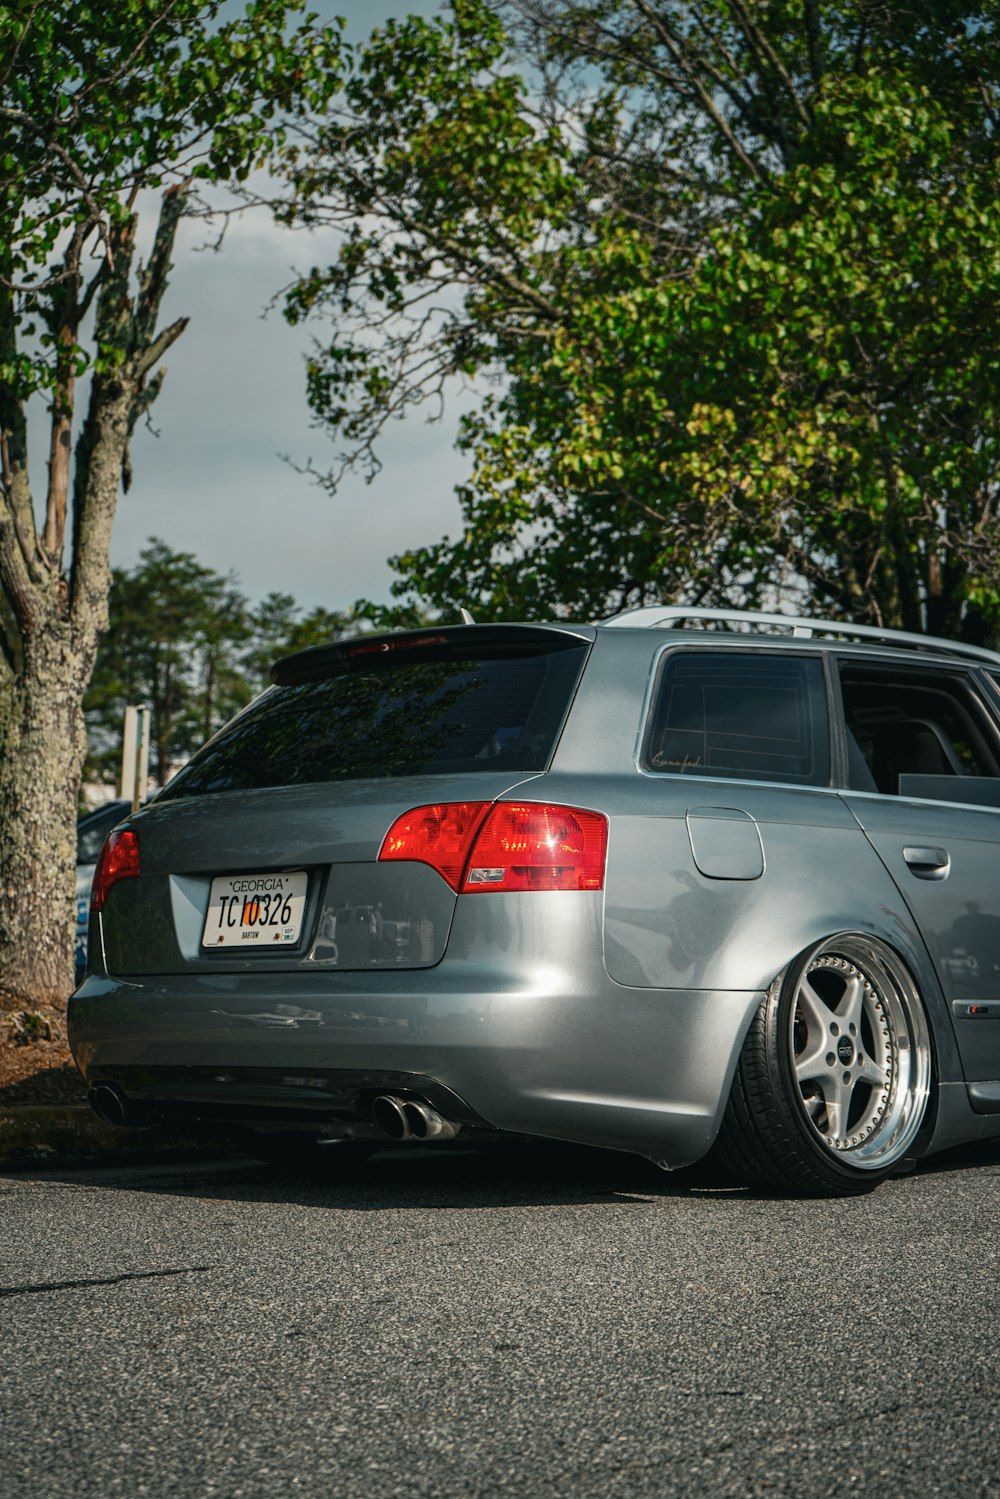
(834, 1078)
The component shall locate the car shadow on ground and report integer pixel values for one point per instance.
(503, 1175)
(507, 1174)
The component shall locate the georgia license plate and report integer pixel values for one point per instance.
(257, 910)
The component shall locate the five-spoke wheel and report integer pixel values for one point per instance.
(834, 1078)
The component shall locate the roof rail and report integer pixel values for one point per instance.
(669, 616)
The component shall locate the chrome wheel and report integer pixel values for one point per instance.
(834, 1078)
(860, 1052)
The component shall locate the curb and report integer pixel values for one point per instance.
(36, 1134)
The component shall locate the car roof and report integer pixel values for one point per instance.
(750, 627)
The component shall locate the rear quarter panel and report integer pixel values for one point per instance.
(667, 925)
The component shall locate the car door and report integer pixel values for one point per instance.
(730, 852)
(924, 767)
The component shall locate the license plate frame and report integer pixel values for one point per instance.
(260, 911)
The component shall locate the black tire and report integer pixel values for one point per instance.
(834, 1078)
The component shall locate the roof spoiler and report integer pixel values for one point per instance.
(434, 642)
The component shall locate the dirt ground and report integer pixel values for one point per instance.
(35, 1064)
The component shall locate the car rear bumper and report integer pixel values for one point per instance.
(645, 1070)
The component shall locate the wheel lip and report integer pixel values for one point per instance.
(907, 1107)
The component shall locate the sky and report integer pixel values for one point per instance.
(214, 483)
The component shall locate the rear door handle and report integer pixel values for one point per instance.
(928, 863)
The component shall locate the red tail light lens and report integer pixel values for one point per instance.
(528, 846)
(509, 846)
(119, 860)
(440, 836)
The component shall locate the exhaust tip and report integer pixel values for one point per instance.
(411, 1119)
(426, 1123)
(107, 1103)
(390, 1116)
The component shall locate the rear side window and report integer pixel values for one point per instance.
(435, 710)
(918, 732)
(741, 714)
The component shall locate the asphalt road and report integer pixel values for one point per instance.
(522, 1323)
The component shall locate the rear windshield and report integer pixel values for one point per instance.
(744, 715)
(437, 710)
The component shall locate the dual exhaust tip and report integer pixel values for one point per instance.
(405, 1119)
(398, 1118)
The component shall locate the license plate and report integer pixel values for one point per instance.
(255, 910)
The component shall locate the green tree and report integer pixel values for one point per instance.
(278, 627)
(735, 271)
(98, 103)
(176, 634)
(185, 640)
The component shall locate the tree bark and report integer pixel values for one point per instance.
(42, 747)
(43, 741)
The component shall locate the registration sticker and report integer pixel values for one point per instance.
(255, 910)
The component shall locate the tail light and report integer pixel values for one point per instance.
(119, 860)
(509, 846)
(529, 846)
(440, 836)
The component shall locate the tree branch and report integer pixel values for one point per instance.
(36, 5)
(161, 343)
(110, 79)
(759, 43)
(64, 324)
(45, 133)
(813, 41)
(14, 578)
(467, 259)
(153, 276)
(14, 445)
(128, 350)
(677, 51)
(8, 485)
(97, 468)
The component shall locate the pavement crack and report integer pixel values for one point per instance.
(102, 1280)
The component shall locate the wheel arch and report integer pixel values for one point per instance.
(888, 920)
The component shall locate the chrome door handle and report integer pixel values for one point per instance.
(928, 863)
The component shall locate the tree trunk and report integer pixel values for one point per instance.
(54, 626)
(42, 747)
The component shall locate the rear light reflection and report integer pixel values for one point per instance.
(119, 860)
(528, 846)
(509, 846)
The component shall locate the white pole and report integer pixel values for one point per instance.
(130, 731)
(145, 725)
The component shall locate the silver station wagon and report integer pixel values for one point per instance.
(684, 881)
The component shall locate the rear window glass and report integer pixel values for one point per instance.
(432, 711)
(740, 714)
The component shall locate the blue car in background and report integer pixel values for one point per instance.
(91, 831)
